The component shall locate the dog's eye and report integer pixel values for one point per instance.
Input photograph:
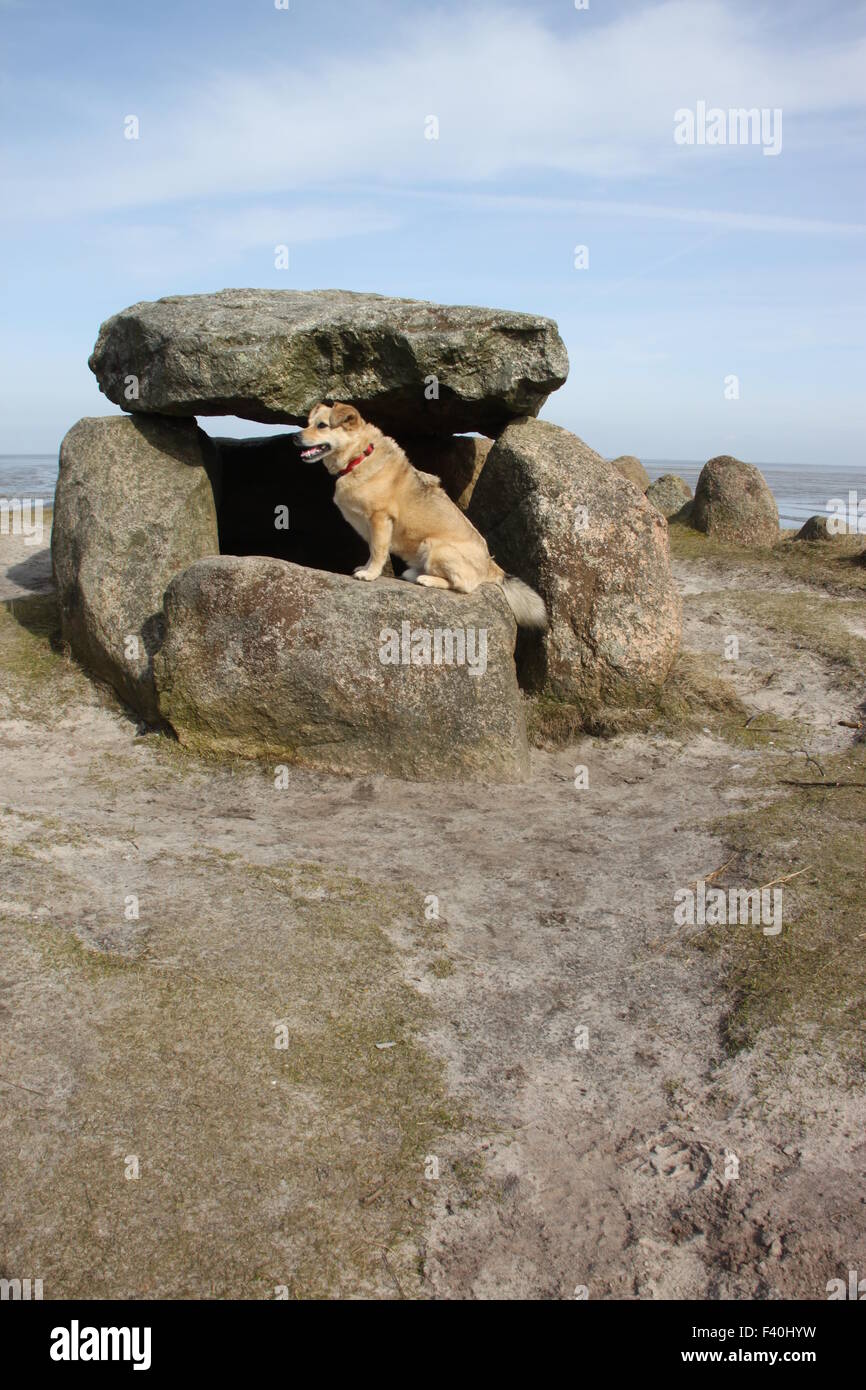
(321, 425)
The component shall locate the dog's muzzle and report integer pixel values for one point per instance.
(310, 453)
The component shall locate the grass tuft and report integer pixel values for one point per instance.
(807, 985)
(831, 565)
(695, 695)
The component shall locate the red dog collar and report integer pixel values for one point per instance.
(353, 463)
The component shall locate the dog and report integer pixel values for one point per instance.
(396, 508)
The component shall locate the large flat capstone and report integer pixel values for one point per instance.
(410, 367)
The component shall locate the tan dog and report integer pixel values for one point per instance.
(397, 508)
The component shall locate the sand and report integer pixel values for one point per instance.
(558, 1057)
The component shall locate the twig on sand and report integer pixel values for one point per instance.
(18, 1087)
(386, 1262)
(708, 878)
(384, 1251)
(369, 1198)
(789, 782)
(809, 759)
(850, 724)
(784, 879)
(761, 729)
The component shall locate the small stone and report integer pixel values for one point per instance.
(632, 468)
(733, 503)
(815, 529)
(669, 494)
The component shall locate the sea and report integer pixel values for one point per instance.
(801, 490)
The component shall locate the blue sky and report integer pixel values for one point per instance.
(306, 127)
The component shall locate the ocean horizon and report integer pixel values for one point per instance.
(801, 490)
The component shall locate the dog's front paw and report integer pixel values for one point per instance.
(363, 572)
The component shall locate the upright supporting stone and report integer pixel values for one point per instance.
(457, 460)
(561, 518)
(134, 506)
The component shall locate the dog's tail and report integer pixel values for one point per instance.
(526, 605)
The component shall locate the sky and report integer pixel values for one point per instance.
(718, 306)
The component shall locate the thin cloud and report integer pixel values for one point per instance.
(717, 217)
(214, 239)
(509, 95)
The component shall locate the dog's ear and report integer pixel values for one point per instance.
(345, 415)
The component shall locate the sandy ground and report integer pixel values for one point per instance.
(598, 1142)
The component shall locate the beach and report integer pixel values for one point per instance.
(545, 1085)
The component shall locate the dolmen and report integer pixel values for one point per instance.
(208, 580)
